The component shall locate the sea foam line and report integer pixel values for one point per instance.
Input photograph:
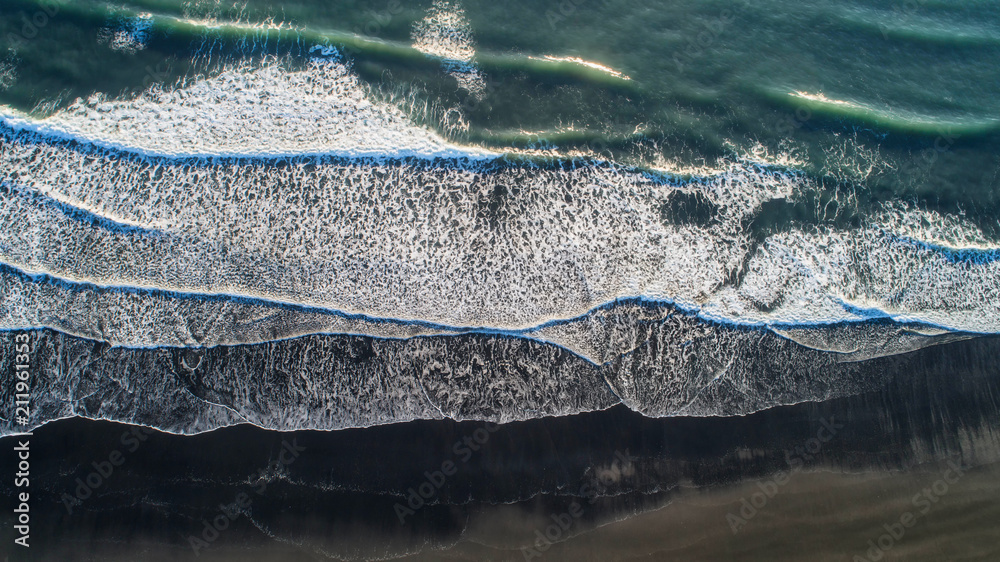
(862, 315)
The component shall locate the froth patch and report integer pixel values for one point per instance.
(934, 229)
(128, 35)
(446, 33)
(8, 73)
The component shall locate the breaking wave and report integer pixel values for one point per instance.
(274, 245)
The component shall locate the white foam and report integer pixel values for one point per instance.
(129, 35)
(8, 73)
(445, 33)
(243, 111)
(458, 243)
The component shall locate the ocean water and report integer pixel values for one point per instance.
(355, 216)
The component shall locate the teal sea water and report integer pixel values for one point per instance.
(890, 101)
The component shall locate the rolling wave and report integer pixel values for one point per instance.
(922, 28)
(466, 242)
(884, 118)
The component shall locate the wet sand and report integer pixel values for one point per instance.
(815, 516)
(610, 485)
